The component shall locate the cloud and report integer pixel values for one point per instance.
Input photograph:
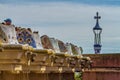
(70, 22)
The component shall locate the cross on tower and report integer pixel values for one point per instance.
(97, 17)
(97, 38)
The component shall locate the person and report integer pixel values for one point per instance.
(9, 31)
(8, 21)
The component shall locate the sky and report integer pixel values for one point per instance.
(68, 20)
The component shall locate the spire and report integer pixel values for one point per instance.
(97, 38)
(97, 17)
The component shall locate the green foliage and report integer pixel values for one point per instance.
(78, 75)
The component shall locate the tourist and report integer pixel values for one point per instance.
(8, 21)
